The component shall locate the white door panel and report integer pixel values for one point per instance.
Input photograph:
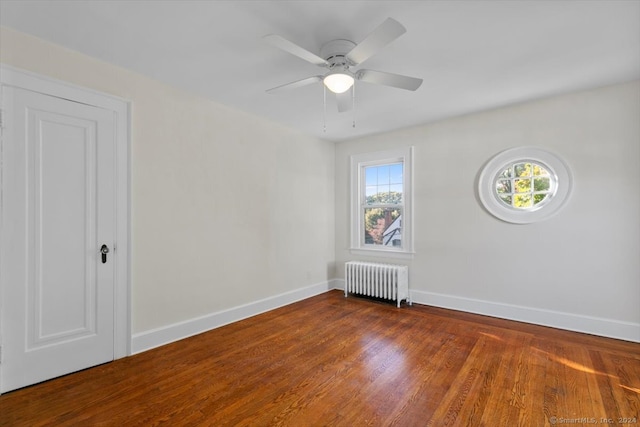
(58, 209)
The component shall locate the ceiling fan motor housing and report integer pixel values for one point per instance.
(335, 52)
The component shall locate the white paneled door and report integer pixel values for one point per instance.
(58, 217)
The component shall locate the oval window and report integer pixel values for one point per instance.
(524, 184)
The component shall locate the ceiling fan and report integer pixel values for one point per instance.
(338, 56)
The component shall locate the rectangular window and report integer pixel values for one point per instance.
(382, 205)
(381, 202)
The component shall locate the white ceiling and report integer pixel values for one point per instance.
(472, 55)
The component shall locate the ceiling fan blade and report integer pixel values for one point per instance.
(389, 79)
(386, 32)
(296, 84)
(292, 48)
(344, 100)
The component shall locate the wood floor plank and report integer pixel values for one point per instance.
(508, 395)
(466, 400)
(622, 381)
(331, 361)
(532, 370)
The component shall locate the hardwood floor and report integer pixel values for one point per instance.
(331, 361)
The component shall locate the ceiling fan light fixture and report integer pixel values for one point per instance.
(338, 82)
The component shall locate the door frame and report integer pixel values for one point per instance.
(11, 76)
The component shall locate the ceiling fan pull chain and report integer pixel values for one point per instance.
(324, 113)
(353, 102)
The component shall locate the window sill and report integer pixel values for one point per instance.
(382, 253)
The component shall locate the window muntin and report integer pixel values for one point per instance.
(525, 185)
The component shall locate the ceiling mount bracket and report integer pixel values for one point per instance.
(335, 51)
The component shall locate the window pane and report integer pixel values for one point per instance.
(522, 169)
(539, 170)
(522, 201)
(371, 176)
(395, 172)
(370, 191)
(505, 173)
(503, 186)
(506, 198)
(522, 185)
(537, 198)
(383, 175)
(383, 226)
(396, 190)
(541, 184)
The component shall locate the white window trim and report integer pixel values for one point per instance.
(498, 163)
(358, 162)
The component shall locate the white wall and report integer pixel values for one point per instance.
(579, 269)
(230, 210)
(227, 209)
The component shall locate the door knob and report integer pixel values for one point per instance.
(104, 250)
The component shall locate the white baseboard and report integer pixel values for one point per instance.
(627, 331)
(147, 340)
(573, 322)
